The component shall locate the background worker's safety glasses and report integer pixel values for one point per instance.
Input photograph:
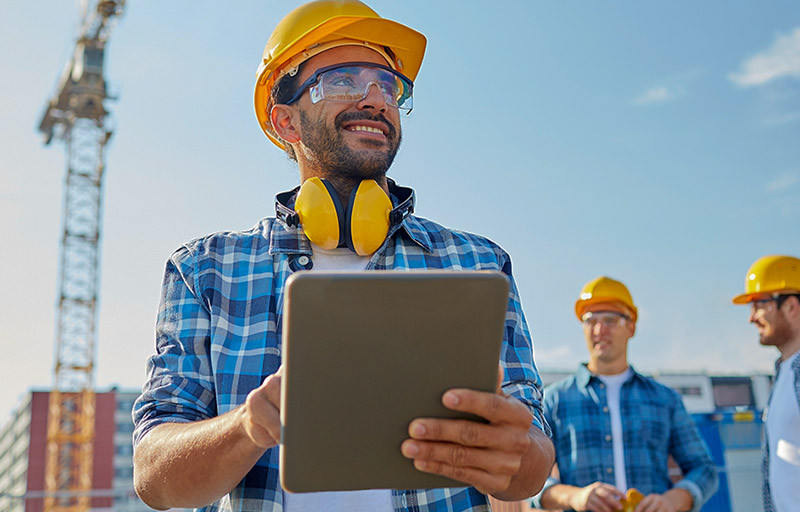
(351, 81)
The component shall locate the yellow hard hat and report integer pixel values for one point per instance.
(604, 289)
(770, 274)
(323, 24)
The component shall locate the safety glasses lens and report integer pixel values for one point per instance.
(352, 83)
(606, 319)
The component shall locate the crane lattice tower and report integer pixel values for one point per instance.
(76, 114)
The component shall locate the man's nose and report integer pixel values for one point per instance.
(374, 98)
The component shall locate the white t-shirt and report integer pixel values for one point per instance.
(378, 500)
(783, 430)
(613, 386)
(340, 258)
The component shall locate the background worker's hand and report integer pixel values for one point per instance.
(657, 503)
(597, 497)
(261, 412)
(486, 456)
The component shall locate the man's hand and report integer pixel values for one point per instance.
(597, 497)
(671, 501)
(486, 456)
(261, 412)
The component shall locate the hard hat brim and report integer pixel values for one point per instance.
(743, 298)
(582, 305)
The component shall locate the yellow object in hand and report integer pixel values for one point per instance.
(632, 498)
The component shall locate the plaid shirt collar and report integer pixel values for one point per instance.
(584, 376)
(285, 239)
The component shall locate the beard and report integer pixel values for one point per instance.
(781, 332)
(336, 160)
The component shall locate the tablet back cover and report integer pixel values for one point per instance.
(364, 354)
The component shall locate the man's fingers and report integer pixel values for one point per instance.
(494, 407)
(271, 387)
(470, 433)
(263, 423)
(491, 461)
(485, 482)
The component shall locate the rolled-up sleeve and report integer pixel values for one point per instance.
(691, 453)
(179, 385)
(522, 379)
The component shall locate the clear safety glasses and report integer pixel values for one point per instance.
(768, 303)
(604, 318)
(351, 82)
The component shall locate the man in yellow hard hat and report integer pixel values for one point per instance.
(772, 288)
(332, 84)
(614, 429)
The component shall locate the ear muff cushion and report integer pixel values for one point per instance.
(368, 218)
(320, 212)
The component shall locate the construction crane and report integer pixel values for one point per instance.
(76, 114)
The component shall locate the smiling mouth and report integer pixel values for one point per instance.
(363, 128)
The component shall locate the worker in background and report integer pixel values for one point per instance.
(772, 288)
(331, 87)
(614, 429)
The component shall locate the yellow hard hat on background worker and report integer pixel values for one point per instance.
(320, 25)
(774, 274)
(604, 290)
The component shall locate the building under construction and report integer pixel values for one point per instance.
(23, 442)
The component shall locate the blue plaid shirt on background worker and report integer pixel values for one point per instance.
(655, 425)
(219, 335)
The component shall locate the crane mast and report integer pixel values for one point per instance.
(76, 115)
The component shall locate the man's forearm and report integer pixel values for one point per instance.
(559, 496)
(679, 498)
(193, 464)
(534, 469)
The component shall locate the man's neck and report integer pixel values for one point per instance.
(344, 185)
(607, 368)
(790, 348)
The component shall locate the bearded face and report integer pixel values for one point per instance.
(330, 145)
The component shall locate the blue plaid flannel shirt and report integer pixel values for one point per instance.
(218, 335)
(766, 491)
(655, 424)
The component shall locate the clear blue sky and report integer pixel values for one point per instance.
(656, 142)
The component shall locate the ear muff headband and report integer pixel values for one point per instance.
(319, 213)
(367, 220)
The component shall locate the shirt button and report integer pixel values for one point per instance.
(609, 470)
(605, 409)
(303, 260)
(608, 437)
(602, 386)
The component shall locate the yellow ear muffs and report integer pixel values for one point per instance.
(367, 218)
(319, 210)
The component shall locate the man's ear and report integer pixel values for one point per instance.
(283, 122)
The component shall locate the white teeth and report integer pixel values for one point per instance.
(359, 128)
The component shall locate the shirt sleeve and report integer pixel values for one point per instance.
(521, 379)
(690, 452)
(536, 501)
(179, 385)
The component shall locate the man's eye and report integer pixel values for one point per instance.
(342, 81)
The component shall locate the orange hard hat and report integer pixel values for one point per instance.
(605, 290)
